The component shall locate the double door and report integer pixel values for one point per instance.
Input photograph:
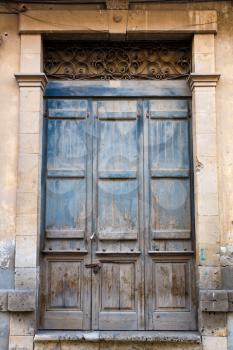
(117, 238)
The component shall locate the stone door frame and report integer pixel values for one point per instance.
(202, 25)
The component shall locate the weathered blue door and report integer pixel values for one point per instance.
(117, 247)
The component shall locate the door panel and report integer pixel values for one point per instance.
(117, 183)
(117, 209)
(118, 290)
(66, 284)
(66, 208)
(170, 208)
(169, 263)
(172, 293)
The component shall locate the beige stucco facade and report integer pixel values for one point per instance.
(22, 82)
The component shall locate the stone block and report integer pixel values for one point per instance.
(213, 324)
(30, 122)
(117, 27)
(203, 43)
(209, 254)
(30, 62)
(207, 229)
(3, 300)
(27, 203)
(27, 225)
(141, 21)
(26, 277)
(214, 300)
(209, 277)
(205, 112)
(20, 342)
(48, 346)
(21, 300)
(115, 340)
(146, 346)
(216, 343)
(207, 176)
(31, 43)
(28, 172)
(30, 99)
(29, 144)
(26, 251)
(227, 277)
(204, 62)
(207, 204)
(22, 323)
(230, 301)
(81, 346)
(206, 145)
(90, 19)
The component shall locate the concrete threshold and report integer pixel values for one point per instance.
(119, 336)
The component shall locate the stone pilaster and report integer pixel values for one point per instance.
(203, 82)
(31, 85)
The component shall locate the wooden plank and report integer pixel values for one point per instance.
(115, 254)
(66, 109)
(168, 109)
(130, 174)
(113, 110)
(65, 204)
(65, 234)
(66, 173)
(63, 292)
(66, 149)
(118, 236)
(169, 145)
(168, 234)
(170, 173)
(110, 286)
(127, 287)
(115, 88)
(117, 215)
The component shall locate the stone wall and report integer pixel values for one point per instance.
(213, 326)
(9, 64)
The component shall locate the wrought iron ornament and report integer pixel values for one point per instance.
(117, 60)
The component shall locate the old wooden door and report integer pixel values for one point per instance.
(117, 248)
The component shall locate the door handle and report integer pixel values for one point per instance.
(93, 236)
(96, 267)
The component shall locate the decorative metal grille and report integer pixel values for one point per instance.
(117, 60)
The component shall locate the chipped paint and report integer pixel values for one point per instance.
(6, 253)
(226, 255)
(203, 254)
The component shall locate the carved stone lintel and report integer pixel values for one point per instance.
(31, 80)
(117, 4)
